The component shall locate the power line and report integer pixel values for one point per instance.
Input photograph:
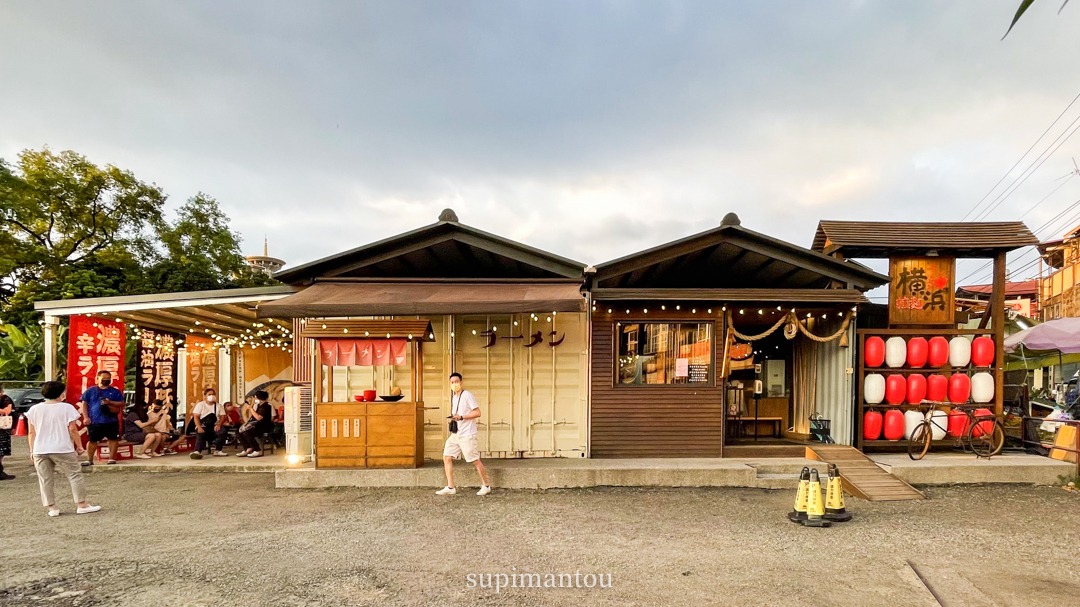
(1021, 159)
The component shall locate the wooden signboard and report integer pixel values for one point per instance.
(922, 291)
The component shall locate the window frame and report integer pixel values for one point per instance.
(616, 343)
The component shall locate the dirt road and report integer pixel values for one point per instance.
(232, 539)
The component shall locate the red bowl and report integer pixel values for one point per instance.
(369, 396)
(359, 398)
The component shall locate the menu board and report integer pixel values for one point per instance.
(699, 374)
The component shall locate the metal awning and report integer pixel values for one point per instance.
(804, 296)
(399, 298)
(226, 313)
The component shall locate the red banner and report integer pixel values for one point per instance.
(94, 344)
(362, 352)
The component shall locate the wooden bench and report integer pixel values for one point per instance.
(743, 422)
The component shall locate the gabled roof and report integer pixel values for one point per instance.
(445, 249)
(886, 238)
(733, 257)
(1012, 289)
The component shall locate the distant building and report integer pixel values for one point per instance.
(1059, 291)
(264, 263)
(1020, 297)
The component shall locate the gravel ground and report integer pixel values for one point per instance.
(232, 539)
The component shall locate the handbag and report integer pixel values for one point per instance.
(5, 422)
(248, 426)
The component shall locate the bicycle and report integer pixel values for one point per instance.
(985, 436)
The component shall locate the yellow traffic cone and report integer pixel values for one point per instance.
(834, 498)
(798, 514)
(815, 506)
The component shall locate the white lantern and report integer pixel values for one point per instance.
(895, 351)
(959, 351)
(912, 418)
(939, 423)
(982, 387)
(874, 388)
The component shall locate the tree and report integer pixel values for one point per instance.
(1020, 10)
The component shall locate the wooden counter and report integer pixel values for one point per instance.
(369, 435)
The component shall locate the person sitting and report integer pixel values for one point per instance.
(229, 424)
(279, 426)
(139, 428)
(259, 422)
(171, 437)
(206, 414)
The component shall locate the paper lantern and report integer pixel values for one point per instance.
(959, 351)
(982, 387)
(894, 425)
(895, 389)
(872, 422)
(937, 352)
(939, 423)
(895, 352)
(959, 388)
(874, 388)
(937, 388)
(982, 428)
(982, 351)
(874, 351)
(917, 352)
(958, 423)
(916, 389)
(912, 418)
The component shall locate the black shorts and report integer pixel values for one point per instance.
(108, 430)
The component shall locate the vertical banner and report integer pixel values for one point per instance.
(202, 364)
(94, 344)
(156, 377)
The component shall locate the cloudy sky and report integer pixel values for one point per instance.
(589, 129)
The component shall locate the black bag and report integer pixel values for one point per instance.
(453, 426)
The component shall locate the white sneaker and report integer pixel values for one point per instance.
(142, 456)
(484, 490)
(446, 491)
(255, 454)
(242, 454)
(220, 454)
(54, 512)
(87, 510)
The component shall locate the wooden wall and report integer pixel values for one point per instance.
(652, 421)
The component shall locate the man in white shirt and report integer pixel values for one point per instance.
(55, 446)
(464, 411)
(206, 415)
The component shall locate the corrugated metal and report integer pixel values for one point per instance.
(884, 238)
(835, 396)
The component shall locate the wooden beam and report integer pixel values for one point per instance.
(997, 307)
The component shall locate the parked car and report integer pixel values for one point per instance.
(24, 398)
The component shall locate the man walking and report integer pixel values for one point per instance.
(464, 411)
(101, 406)
(55, 447)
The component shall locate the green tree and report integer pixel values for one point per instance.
(1020, 10)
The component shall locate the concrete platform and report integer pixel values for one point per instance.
(965, 469)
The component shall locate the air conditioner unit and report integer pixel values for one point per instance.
(298, 423)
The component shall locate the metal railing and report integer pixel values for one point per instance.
(1074, 449)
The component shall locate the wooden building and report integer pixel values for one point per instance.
(682, 332)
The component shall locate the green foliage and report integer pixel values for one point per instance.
(21, 352)
(1020, 10)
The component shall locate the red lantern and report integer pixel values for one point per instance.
(958, 423)
(982, 428)
(895, 389)
(917, 352)
(937, 352)
(982, 351)
(894, 424)
(959, 388)
(916, 388)
(872, 422)
(874, 351)
(937, 388)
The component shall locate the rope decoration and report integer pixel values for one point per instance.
(793, 326)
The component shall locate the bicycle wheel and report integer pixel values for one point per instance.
(983, 443)
(919, 443)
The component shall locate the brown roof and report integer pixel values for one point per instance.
(725, 295)
(886, 238)
(395, 298)
(1025, 287)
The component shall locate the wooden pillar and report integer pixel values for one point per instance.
(49, 325)
(997, 307)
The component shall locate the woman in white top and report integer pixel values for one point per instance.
(55, 446)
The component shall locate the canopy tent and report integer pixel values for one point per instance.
(1052, 343)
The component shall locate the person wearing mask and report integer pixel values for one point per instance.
(229, 424)
(101, 406)
(55, 446)
(259, 422)
(7, 407)
(139, 427)
(206, 414)
(464, 411)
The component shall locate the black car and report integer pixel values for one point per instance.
(24, 398)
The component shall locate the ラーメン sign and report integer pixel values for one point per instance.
(94, 344)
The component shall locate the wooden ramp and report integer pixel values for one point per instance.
(861, 477)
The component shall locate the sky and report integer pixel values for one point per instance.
(588, 129)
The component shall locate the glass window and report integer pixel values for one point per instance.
(664, 353)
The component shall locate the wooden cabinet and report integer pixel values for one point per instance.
(369, 435)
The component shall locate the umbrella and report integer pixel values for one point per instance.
(1054, 342)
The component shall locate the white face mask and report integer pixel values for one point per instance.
(211, 399)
